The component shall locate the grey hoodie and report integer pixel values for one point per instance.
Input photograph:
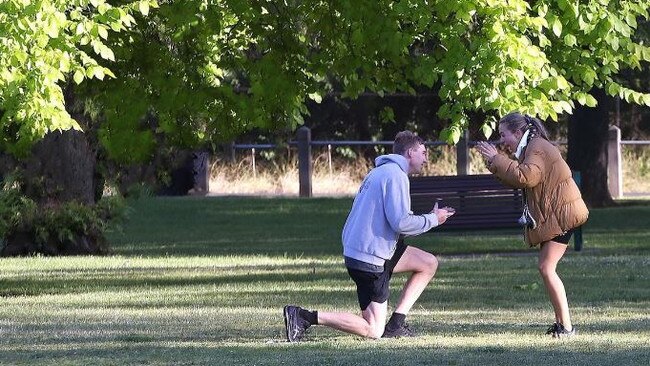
(381, 212)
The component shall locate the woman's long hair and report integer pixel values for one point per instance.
(516, 121)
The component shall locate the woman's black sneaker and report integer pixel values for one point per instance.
(563, 333)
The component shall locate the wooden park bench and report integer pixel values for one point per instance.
(481, 201)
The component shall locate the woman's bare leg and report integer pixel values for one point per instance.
(549, 256)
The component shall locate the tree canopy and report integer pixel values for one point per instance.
(207, 70)
(43, 44)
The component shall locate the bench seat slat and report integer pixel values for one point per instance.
(481, 201)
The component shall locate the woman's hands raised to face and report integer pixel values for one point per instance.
(486, 149)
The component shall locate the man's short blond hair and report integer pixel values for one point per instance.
(405, 140)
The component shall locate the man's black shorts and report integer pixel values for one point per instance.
(374, 286)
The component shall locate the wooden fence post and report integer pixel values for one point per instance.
(614, 174)
(462, 155)
(232, 158)
(304, 161)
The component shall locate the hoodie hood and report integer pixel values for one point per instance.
(393, 158)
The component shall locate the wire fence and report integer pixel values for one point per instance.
(615, 165)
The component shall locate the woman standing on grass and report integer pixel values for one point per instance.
(553, 206)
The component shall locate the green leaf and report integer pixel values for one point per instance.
(582, 24)
(454, 136)
(103, 8)
(646, 99)
(316, 97)
(627, 93)
(109, 72)
(588, 77)
(52, 30)
(565, 106)
(591, 101)
(562, 83)
(80, 29)
(557, 27)
(570, 40)
(631, 20)
(116, 26)
(444, 135)
(543, 41)
(98, 72)
(107, 53)
(497, 28)
(143, 6)
(645, 52)
(102, 32)
(78, 76)
(487, 130)
(387, 115)
(613, 89)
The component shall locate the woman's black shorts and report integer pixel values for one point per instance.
(374, 286)
(563, 238)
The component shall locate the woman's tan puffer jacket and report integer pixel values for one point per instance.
(553, 198)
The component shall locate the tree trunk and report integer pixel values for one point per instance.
(587, 153)
(61, 169)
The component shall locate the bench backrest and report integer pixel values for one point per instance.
(481, 201)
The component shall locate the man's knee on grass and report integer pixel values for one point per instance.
(375, 330)
(375, 316)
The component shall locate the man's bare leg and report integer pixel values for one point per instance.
(423, 266)
(370, 324)
(372, 321)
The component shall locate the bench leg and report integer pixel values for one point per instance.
(577, 239)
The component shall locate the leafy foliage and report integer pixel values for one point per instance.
(58, 224)
(43, 45)
(13, 207)
(207, 70)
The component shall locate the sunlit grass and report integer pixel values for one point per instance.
(203, 281)
(479, 308)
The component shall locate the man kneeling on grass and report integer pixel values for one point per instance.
(373, 248)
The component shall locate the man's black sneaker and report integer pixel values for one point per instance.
(402, 331)
(294, 324)
(553, 329)
(563, 333)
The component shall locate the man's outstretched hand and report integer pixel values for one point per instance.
(443, 213)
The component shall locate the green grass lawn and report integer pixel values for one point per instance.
(203, 281)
